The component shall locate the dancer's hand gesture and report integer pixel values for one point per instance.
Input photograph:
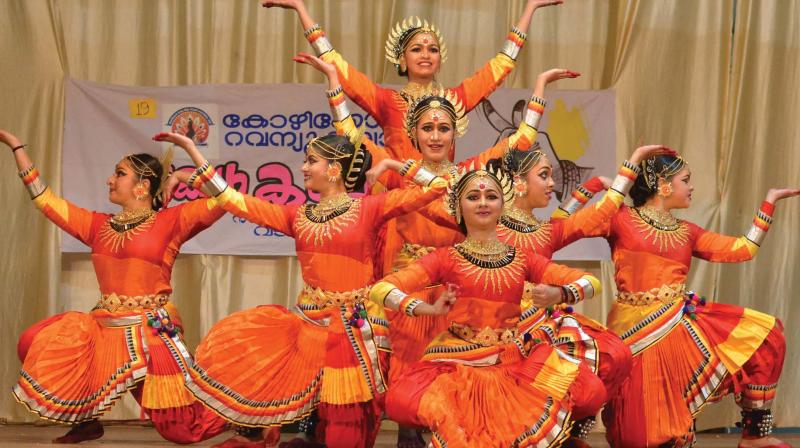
(645, 152)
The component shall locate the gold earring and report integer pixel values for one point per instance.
(520, 187)
(140, 192)
(334, 172)
(665, 189)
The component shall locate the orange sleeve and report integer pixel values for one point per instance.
(488, 78)
(259, 211)
(401, 201)
(723, 248)
(72, 219)
(196, 216)
(356, 85)
(391, 290)
(437, 212)
(578, 284)
(345, 125)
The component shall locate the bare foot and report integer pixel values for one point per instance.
(90, 430)
(763, 442)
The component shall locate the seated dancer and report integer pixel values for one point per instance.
(417, 50)
(687, 352)
(490, 379)
(269, 366)
(76, 365)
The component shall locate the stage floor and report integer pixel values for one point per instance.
(139, 436)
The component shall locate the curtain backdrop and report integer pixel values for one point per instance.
(716, 80)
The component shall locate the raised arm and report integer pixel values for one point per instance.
(356, 85)
(206, 179)
(479, 86)
(723, 248)
(525, 135)
(401, 201)
(595, 220)
(72, 219)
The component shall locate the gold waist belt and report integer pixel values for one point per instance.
(486, 336)
(119, 303)
(412, 252)
(323, 298)
(664, 294)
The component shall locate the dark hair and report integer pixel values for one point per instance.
(355, 163)
(519, 163)
(654, 168)
(145, 166)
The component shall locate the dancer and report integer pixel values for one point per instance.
(687, 352)
(76, 365)
(417, 50)
(491, 379)
(269, 366)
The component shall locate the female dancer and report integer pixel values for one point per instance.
(433, 131)
(417, 51)
(488, 381)
(686, 352)
(76, 365)
(576, 334)
(269, 366)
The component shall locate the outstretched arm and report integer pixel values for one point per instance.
(356, 85)
(389, 292)
(206, 179)
(74, 220)
(479, 86)
(723, 248)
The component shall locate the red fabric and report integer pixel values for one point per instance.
(349, 426)
(588, 394)
(765, 366)
(405, 393)
(768, 208)
(614, 359)
(26, 338)
(184, 425)
(594, 185)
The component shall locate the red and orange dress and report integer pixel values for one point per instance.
(686, 352)
(489, 380)
(76, 365)
(270, 365)
(409, 237)
(388, 106)
(575, 333)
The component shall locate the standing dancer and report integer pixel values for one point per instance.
(490, 380)
(269, 366)
(686, 352)
(417, 50)
(76, 365)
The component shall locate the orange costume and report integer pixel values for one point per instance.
(269, 365)
(76, 365)
(489, 380)
(686, 352)
(388, 106)
(409, 237)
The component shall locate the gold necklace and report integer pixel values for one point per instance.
(659, 227)
(522, 216)
(486, 250)
(123, 226)
(331, 204)
(441, 169)
(414, 90)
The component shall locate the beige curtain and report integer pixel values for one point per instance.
(713, 79)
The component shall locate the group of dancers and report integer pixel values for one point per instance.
(432, 299)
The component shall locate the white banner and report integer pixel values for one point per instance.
(256, 134)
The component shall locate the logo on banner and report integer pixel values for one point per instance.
(197, 122)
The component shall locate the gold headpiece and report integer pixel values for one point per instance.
(457, 187)
(358, 157)
(518, 163)
(651, 176)
(402, 33)
(443, 99)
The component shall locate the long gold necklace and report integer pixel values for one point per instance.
(660, 227)
(123, 226)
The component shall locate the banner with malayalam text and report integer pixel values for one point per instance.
(255, 135)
